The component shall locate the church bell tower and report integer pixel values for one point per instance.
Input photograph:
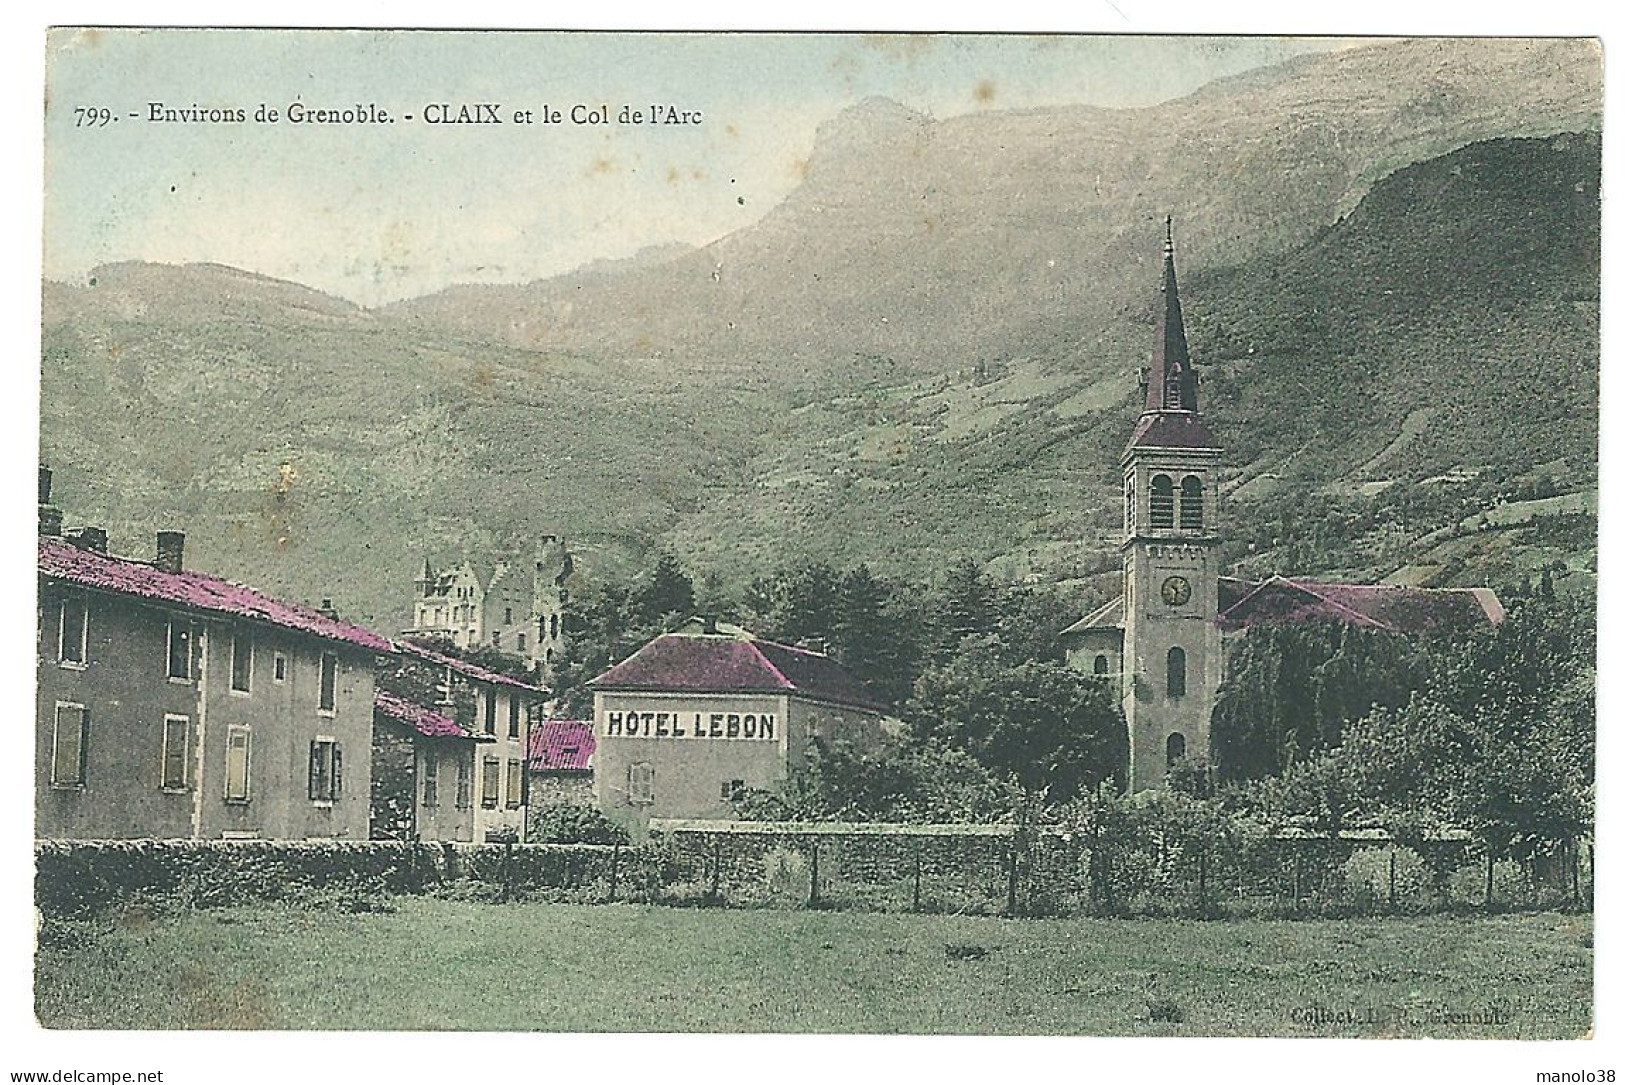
(1171, 651)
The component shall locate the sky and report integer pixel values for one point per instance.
(377, 212)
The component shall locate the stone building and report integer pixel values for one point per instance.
(561, 763)
(693, 718)
(423, 767)
(450, 748)
(1162, 641)
(172, 704)
(513, 607)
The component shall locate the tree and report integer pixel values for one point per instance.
(965, 605)
(664, 591)
(871, 639)
(912, 781)
(1055, 731)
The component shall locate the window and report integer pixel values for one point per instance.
(553, 627)
(1190, 504)
(431, 778)
(496, 639)
(279, 667)
(180, 649)
(1176, 748)
(491, 712)
(732, 789)
(491, 783)
(1128, 503)
(326, 769)
(330, 683)
(1162, 502)
(242, 662)
(1176, 672)
(640, 784)
(465, 783)
(521, 642)
(1102, 664)
(516, 782)
(513, 716)
(1174, 397)
(177, 737)
(237, 762)
(550, 655)
(507, 615)
(68, 745)
(70, 645)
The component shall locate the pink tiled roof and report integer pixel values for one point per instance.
(678, 663)
(1282, 601)
(472, 670)
(561, 744)
(62, 560)
(424, 721)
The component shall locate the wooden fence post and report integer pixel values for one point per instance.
(507, 868)
(1010, 898)
(1297, 873)
(1393, 871)
(916, 873)
(716, 866)
(614, 869)
(1574, 871)
(1489, 877)
(1201, 879)
(812, 888)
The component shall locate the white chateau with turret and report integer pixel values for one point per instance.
(513, 607)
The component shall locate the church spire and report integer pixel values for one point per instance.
(1170, 384)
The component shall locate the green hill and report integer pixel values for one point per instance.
(1410, 391)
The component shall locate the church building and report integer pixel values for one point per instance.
(1162, 641)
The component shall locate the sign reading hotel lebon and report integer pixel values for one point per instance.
(706, 725)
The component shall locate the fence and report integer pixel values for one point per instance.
(1012, 870)
(970, 869)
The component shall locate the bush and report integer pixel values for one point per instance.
(574, 823)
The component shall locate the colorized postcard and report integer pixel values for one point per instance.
(920, 534)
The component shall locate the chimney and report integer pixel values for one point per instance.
(50, 517)
(326, 610)
(709, 623)
(93, 539)
(171, 551)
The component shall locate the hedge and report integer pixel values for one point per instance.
(85, 876)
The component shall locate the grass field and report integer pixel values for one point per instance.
(437, 964)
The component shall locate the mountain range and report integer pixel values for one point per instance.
(1389, 258)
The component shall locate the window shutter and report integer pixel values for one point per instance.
(315, 769)
(338, 771)
(84, 740)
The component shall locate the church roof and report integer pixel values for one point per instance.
(1171, 370)
(1286, 601)
(1171, 430)
(1109, 616)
